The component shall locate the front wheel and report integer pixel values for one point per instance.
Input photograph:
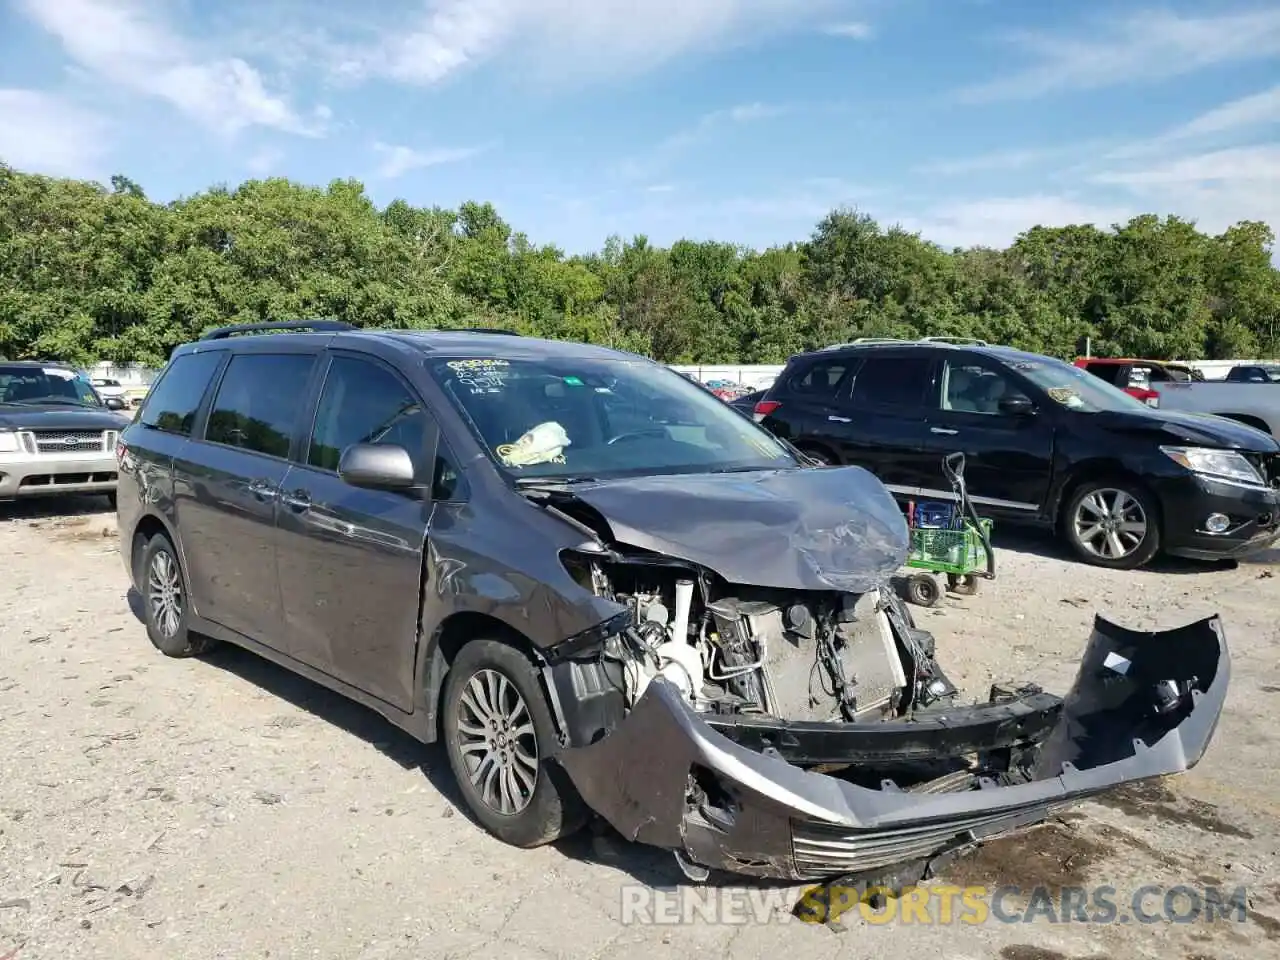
(500, 735)
(1113, 523)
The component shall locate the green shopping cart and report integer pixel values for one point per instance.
(948, 540)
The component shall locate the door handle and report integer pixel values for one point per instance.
(263, 490)
(835, 419)
(947, 430)
(298, 500)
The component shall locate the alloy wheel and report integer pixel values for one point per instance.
(1109, 523)
(497, 742)
(164, 590)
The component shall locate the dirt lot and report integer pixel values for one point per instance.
(160, 808)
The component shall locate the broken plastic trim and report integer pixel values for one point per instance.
(589, 640)
(770, 818)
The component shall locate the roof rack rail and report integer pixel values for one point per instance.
(494, 330)
(295, 326)
(972, 341)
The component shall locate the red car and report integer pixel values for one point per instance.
(1134, 377)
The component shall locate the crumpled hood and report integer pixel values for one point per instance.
(14, 417)
(828, 528)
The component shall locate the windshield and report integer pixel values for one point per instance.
(576, 419)
(1074, 388)
(45, 385)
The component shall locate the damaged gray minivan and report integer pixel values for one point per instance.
(609, 592)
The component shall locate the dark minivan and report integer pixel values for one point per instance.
(1045, 443)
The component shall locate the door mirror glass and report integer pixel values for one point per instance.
(113, 403)
(381, 466)
(1016, 406)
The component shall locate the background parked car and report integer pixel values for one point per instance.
(1254, 373)
(1253, 403)
(1045, 443)
(1135, 377)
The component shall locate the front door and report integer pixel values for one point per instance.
(227, 484)
(1008, 456)
(350, 559)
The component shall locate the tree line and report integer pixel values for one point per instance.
(93, 272)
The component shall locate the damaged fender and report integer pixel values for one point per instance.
(1143, 704)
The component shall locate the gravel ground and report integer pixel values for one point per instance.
(223, 808)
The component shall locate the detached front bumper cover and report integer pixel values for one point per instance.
(1142, 705)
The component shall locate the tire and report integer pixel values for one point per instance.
(965, 586)
(923, 590)
(553, 809)
(1118, 506)
(166, 601)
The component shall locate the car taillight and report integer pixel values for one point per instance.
(764, 408)
(1149, 397)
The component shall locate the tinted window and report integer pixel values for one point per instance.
(973, 388)
(259, 400)
(172, 403)
(892, 381)
(821, 379)
(1110, 372)
(34, 386)
(364, 402)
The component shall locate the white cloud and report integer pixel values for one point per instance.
(42, 133)
(264, 161)
(397, 160)
(996, 221)
(122, 42)
(569, 37)
(1004, 160)
(1245, 116)
(1216, 189)
(1143, 47)
(851, 30)
(673, 146)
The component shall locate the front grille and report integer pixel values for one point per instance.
(69, 441)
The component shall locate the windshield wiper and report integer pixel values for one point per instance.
(553, 481)
(43, 400)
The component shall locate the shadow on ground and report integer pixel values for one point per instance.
(37, 509)
(596, 844)
(1043, 543)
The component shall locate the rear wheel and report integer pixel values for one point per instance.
(167, 603)
(1113, 523)
(500, 736)
(923, 590)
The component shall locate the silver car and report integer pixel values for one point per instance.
(57, 435)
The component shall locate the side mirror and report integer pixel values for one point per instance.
(113, 403)
(378, 466)
(1017, 407)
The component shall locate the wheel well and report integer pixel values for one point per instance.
(147, 528)
(455, 633)
(1100, 473)
(1248, 420)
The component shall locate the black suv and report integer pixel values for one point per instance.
(1045, 443)
(607, 590)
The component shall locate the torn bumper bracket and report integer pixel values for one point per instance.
(1143, 704)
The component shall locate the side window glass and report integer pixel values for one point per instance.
(892, 381)
(447, 482)
(259, 400)
(820, 380)
(364, 402)
(973, 388)
(172, 403)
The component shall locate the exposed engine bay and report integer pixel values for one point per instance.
(794, 655)
(760, 701)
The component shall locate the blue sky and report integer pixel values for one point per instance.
(741, 120)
